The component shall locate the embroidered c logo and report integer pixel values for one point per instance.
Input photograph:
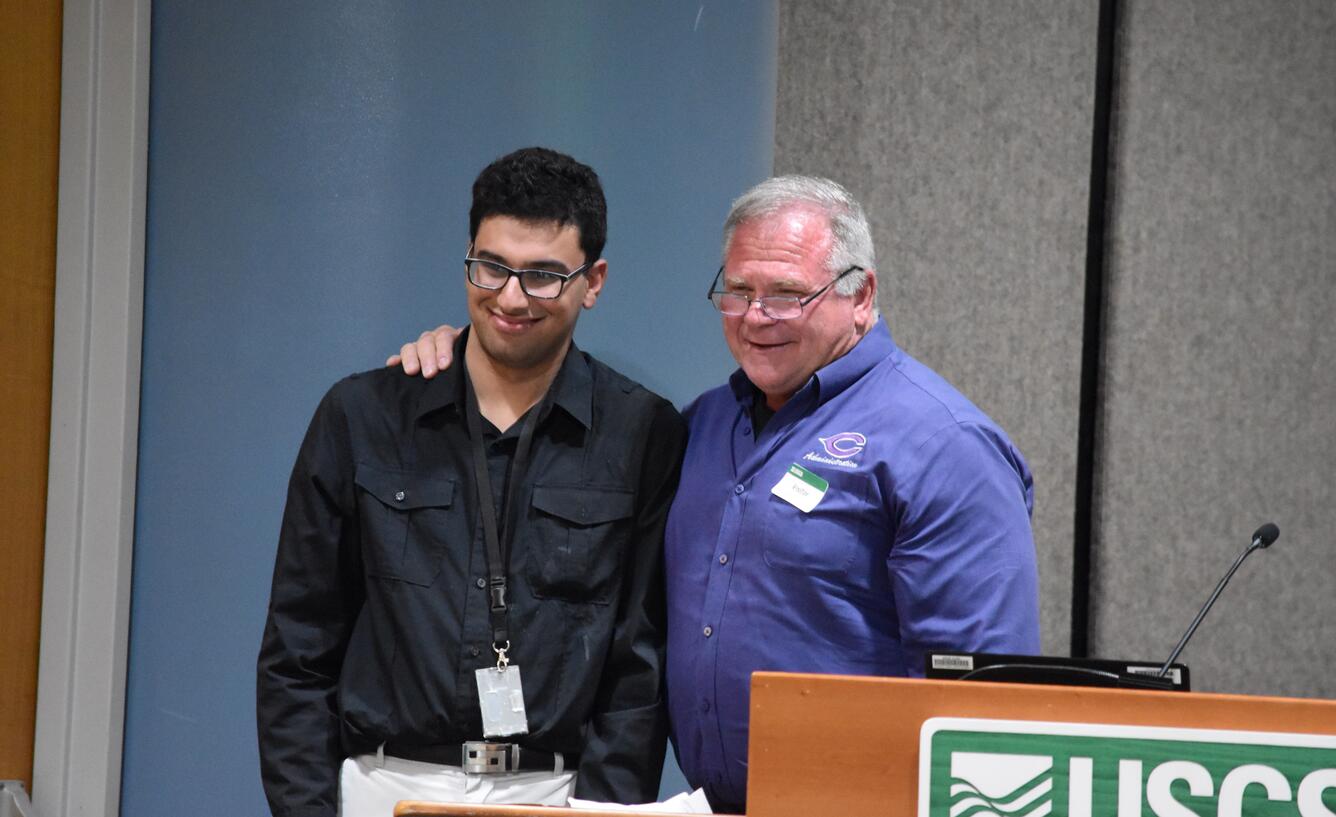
(843, 445)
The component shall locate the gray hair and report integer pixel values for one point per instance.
(851, 244)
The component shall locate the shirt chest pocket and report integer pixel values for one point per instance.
(825, 540)
(579, 534)
(406, 520)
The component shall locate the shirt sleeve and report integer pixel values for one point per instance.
(624, 749)
(962, 564)
(314, 601)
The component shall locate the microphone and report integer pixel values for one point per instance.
(1265, 535)
(1262, 538)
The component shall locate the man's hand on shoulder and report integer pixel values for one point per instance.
(431, 353)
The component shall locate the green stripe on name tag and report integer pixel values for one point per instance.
(808, 477)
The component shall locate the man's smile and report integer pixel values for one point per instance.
(763, 346)
(511, 324)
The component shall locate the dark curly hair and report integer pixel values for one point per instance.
(538, 184)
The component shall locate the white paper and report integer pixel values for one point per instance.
(684, 803)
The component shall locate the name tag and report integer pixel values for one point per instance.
(800, 488)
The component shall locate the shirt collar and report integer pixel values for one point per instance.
(572, 390)
(839, 374)
(846, 370)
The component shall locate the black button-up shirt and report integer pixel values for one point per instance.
(378, 615)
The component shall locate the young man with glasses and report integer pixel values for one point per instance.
(442, 537)
(843, 509)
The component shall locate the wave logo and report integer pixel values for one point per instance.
(988, 784)
(843, 445)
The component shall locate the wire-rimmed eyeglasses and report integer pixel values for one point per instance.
(775, 307)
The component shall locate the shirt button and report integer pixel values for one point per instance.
(474, 651)
(737, 489)
(709, 631)
(723, 558)
(399, 497)
(746, 431)
(705, 706)
(481, 582)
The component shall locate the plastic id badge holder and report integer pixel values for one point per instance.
(501, 699)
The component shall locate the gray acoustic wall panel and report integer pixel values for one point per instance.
(1219, 381)
(964, 128)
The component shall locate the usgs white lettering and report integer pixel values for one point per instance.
(1160, 798)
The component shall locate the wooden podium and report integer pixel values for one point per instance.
(859, 737)
(832, 744)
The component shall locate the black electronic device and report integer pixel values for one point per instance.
(1049, 669)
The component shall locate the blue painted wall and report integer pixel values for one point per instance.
(309, 170)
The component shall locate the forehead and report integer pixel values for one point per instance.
(792, 243)
(520, 241)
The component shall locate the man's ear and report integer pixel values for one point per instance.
(594, 277)
(865, 303)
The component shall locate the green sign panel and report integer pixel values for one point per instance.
(990, 768)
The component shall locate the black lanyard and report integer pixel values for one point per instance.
(498, 542)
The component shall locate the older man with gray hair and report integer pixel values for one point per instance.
(842, 508)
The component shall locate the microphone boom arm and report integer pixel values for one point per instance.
(1262, 538)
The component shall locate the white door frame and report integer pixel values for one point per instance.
(94, 408)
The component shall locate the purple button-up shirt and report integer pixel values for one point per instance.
(921, 541)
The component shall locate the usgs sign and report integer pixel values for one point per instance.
(991, 768)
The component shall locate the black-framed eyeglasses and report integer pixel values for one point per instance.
(536, 283)
(775, 307)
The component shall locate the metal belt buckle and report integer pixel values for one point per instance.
(483, 757)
